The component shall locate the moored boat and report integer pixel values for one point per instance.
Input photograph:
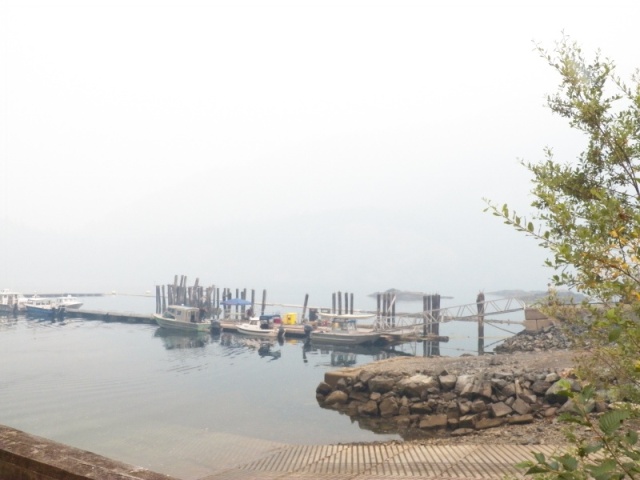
(69, 301)
(43, 307)
(344, 331)
(260, 327)
(182, 318)
(11, 302)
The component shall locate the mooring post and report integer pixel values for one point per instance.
(339, 303)
(351, 303)
(304, 307)
(480, 305)
(158, 299)
(425, 308)
(264, 301)
(333, 302)
(378, 306)
(346, 302)
(393, 311)
(435, 326)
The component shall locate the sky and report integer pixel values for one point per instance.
(299, 147)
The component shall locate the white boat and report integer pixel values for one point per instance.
(344, 331)
(260, 328)
(69, 302)
(43, 307)
(182, 318)
(11, 302)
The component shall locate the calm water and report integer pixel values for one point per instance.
(106, 387)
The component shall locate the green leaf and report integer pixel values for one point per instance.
(568, 462)
(539, 457)
(614, 333)
(530, 227)
(612, 421)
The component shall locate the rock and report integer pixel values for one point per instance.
(500, 409)
(556, 393)
(478, 406)
(336, 397)
(381, 384)
(416, 385)
(459, 432)
(540, 387)
(489, 423)
(433, 421)
(521, 419)
(448, 382)
(370, 409)
(389, 407)
(324, 388)
(520, 407)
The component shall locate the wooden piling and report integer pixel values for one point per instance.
(304, 307)
(480, 305)
(264, 301)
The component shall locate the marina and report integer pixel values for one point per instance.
(107, 378)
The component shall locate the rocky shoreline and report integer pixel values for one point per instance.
(512, 397)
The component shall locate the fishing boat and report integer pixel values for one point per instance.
(344, 331)
(69, 301)
(11, 302)
(260, 327)
(182, 318)
(43, 307)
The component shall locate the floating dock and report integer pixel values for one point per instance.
(126, 317)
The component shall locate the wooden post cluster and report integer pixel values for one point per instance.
(386, 308)
(208, 299)
(336, 303)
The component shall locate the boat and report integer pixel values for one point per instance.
(182, 318)
(260, 327)
(344, 331)
(11, 302)
(69, 301)
(43, 307)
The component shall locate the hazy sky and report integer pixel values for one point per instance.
(297, 146)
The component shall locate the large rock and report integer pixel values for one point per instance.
(369, 409)
(433, 421)
(389, 407)
(381, 384)
(500, 409)
(416, 385)
(448, 382)
(336, 397)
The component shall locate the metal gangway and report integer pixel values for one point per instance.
(471, 312)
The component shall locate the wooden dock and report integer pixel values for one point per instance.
(126, 317)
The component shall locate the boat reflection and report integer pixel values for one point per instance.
(177, 339)
(266, 347)
(350, 355)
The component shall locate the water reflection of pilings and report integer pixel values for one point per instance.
(347, 355)
(177, 340)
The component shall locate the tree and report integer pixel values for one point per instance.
(587, 210)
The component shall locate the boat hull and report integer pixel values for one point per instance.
(44, 311)
(180, 325)
(256, 332)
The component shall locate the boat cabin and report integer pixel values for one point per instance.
(183, 314)
(344, 325)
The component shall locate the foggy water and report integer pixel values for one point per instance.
(108, 387)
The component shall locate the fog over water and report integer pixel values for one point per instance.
(301, 147)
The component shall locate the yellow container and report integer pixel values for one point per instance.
(290, 318)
